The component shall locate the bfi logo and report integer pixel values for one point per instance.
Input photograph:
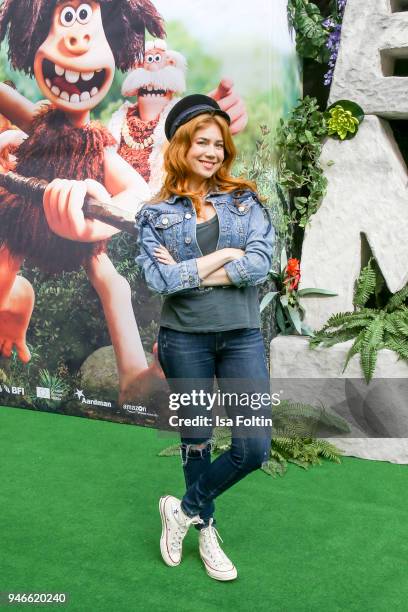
(12, 390)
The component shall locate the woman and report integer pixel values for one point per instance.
(205, 244)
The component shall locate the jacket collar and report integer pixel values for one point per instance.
(173, 198)
(211, 194)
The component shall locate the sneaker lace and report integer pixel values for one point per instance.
(180, 532)
(214, 549)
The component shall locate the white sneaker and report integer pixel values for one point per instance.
(175, 526)
(215, 560)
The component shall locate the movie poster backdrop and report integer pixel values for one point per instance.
(78, 324)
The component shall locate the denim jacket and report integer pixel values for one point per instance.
(244, 223)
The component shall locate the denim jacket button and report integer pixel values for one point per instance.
(187, 240)
(165, 220)
(241, 208)
(188, 215)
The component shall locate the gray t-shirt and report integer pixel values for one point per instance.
(220, 308)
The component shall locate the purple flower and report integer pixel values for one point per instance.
(333, 40)
(329, 23)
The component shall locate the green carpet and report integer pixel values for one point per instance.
(79, 514)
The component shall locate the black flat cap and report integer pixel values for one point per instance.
(188, 108)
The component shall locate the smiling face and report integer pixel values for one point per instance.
(206, 154)
(74, 67)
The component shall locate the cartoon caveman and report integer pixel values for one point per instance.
(138, 127)
(72, 49)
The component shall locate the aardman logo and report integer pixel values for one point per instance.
(92, 402)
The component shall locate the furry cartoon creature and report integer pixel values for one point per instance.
(139, 127)
(156, 81)
(72, 49)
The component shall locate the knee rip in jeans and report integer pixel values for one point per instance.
(195, 451)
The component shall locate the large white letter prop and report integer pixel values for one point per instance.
(367, 196)
(368, 181)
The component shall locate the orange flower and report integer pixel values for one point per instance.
(293, 267)
(292, 274)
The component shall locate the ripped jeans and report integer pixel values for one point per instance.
(229, 356)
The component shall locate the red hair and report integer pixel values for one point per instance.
(178, 171)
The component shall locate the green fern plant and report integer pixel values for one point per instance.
(303, 452)
(372, 328)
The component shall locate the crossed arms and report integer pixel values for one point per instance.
(228, 266)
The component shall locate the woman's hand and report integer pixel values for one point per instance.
(163, 255)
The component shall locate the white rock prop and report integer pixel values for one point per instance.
(377, 409)
(367, 196)
(373, 38)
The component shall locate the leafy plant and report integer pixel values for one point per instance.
(261, 168)
(57, 386)
(303, 452)
(317, 38)
(343, 119)
(299, 142)
(289, 312)
(296, 420)
(31, 375)
(311, 35)
(372, 328)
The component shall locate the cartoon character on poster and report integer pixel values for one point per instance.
(72, 49)
(157, 82)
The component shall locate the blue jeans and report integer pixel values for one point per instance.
(230, 356)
